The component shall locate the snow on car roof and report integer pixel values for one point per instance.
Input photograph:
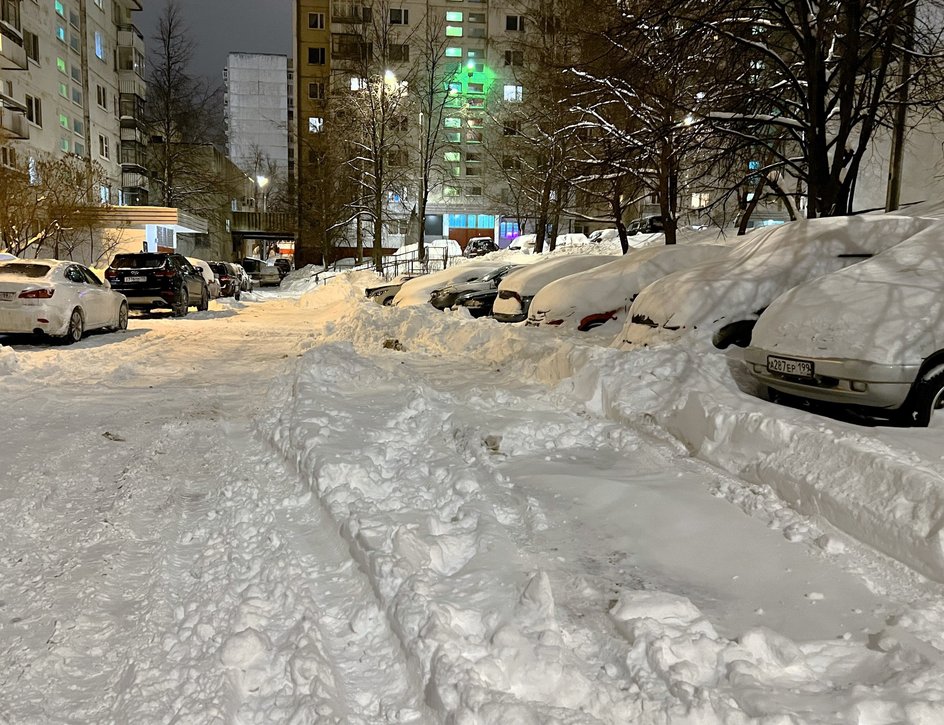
(417, 290)
(888, 309)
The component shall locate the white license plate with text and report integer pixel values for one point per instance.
(788, 366)
(135, 279)
(6, 295)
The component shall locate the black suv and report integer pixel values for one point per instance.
(151, 279)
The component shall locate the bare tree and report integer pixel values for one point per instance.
(45, 209)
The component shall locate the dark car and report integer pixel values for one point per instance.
(153, 279)
(478, 246)
(443, 299)
(383, 294)
(228, 277)
(645, 225)
(479, 303)
(284, 266)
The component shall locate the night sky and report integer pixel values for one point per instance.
(220, 27)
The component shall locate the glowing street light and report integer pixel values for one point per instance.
(263, 182)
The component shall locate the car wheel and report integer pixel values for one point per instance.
(737, 333)
(122, 317)
(927, 397)
(204, 303)
(76, 327)
(183, 303)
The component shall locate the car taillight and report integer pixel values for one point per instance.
(225, 278)
(110, 273)
(36, 294)
(164, 272)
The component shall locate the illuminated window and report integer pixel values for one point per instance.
(452, 122)
(453, 31)
(453, 16)
(451, 155)
(61, 32)
(63, 120)
(453, 52)
(60, 9)
(61, 65)
(315, 124)
(99, 45)
(63, 90)
(513, 93)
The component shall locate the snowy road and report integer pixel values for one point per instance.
(239, 517)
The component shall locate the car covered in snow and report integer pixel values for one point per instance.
(871, 335)
(518, 289)
(446, 297)
(214, 287)
(57, 298)
(419, 290)
(383, 294)
(479, 246)
(597, 296)
(727, 295)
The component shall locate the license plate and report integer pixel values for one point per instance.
(135, 279)
(787, 366)
(6, 295)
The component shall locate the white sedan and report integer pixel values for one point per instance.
(57, 298)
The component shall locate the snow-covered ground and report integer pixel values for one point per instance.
(314, 509)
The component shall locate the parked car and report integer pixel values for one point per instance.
(245, 281)
(518, 289)
(651, 224)
(213, 284)
(479, 303)
(383, 294)
(597, 296)
(726, 296)
(477, 246)
(57, 298)
(523, 243)
(261, 272)
(445, 298)
(603, 235)
(870, 336)
(155, 279)
(284, 265)
(419, 289)
(228, 277)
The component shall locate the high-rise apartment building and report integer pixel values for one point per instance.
(257, 114)
(72, 81)
(331, 38)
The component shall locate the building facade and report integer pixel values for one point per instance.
(72, 80)
(257, 115)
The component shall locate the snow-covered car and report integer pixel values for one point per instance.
(870, 335)
(228, 277)
(418, 290)
(566, 240)
(444, 298)
(645, 225)
(383, 294)
(213, 284)
(478, 246)
(597, 296)
(726, 296)
(57, 298)
(261, 272)
(5, 257)
(523, 243)
(603, 235)
(518, 289)
(245, 281)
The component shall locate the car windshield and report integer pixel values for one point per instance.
(252, 265)
(218, 268)
(28, 271)
(496, 274)
(138, 261)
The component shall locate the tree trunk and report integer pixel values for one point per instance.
(421, 212)
(359, 239)
(378, 233)
(617, 209)
(540, 230)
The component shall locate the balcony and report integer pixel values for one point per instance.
(130, 106)
(13, 123)
(132, 85)
(12, 52)
(133, 180)
(133, 157)
(135, 133)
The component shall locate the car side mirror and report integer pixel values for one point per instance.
(198, 270)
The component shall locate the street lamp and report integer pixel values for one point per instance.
(263, 181)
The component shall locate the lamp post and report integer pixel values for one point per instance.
(263, 181)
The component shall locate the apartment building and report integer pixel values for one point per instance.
(72, 82)
(482, 49)
(257, 103)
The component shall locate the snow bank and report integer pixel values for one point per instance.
(7, 360)
(482, 625)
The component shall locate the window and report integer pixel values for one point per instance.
(74, 19)
(399, 17)
(61, 32)
(398, 157)
(453, 16)
(60, 9)
(34, 111)
(510, 163)
(451, 155)
(316, 56)
(103, 150)
(474, 191)
(76, 96)
(78, 127)
(452, 122)
(399, 52)
(61, 65)
(514, 22)
(315, 124)
(450, 191)
(99, 45)
(63, 90)
(316, 90)
(63, 120)
(514, 57)
(476, 17)
(64, 145)
(100, 4)
(453, 52)
(76, 73)
(101, 97)
(316, 21)
(358, 84)
(31, 43)
(513, 93)
(453, 31)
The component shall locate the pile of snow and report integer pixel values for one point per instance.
(7, 360)
(299, 281)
